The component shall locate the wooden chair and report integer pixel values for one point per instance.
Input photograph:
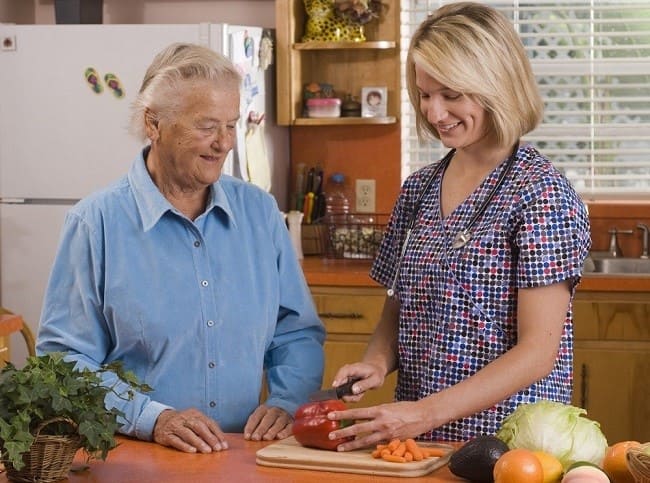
(11, 323)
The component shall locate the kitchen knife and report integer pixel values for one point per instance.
(334, 393)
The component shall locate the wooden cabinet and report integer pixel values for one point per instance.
(350, 315)
(5, 355)
(348, 66)
(612, 362)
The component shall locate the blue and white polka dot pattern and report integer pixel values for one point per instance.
(458, 306)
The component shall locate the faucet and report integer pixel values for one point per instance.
(614, 248)
(644, 231)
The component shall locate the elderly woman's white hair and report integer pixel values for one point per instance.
(474, 50)
(179, 63)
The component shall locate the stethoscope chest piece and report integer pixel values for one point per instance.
(461, 239)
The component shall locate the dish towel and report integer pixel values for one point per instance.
(258, 166)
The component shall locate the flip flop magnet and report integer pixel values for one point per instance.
(114, 84)
(93, 79)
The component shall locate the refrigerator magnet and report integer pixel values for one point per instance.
(114, 84)
(92, 78)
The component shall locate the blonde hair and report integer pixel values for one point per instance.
(160, 95)
(474, 50)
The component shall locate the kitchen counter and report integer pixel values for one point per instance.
(354, 273)
(144, 462)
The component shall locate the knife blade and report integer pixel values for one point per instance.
(334, 393)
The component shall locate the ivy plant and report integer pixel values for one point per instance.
(49, 386)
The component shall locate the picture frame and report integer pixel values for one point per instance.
(374, 100)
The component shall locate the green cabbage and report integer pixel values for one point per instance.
(556, 428)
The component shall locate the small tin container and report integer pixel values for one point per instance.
(324, 107)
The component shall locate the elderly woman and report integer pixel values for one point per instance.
(483, 251)
(186, 275)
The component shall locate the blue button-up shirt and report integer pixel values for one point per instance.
(196, 309)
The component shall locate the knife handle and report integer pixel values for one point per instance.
(346, 389)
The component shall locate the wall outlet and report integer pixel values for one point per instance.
(365, 196)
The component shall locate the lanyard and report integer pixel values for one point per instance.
(463, 236)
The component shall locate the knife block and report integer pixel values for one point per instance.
(313, 239)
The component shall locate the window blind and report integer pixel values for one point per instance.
(591, 59)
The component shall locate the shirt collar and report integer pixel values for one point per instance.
(152, 205)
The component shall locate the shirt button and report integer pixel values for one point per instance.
(204, 283)
(197, 243)
(210, 323)
(212, 404)
(211, 365)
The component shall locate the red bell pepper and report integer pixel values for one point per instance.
(311, 426)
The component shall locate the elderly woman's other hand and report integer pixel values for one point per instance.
(190, 431)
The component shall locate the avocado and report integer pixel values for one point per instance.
(475, 460)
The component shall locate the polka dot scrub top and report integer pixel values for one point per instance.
(458, 306)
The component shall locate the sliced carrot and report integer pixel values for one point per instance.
(408, 456)
(376, 453)
(413, 448)
(384, 451)
(400, 450)
(394, 459)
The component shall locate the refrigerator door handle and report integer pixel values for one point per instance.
(38, 201)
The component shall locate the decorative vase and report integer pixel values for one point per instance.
(324, 25)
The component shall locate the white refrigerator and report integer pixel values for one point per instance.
(65, 93)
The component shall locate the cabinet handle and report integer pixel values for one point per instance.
(340, 315)
(583, 386)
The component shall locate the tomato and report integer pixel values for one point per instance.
(311, 427)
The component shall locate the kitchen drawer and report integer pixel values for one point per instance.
(349, 310)
(615, 320)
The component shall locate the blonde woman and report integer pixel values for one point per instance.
(483, 251)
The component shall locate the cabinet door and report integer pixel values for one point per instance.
(4, 351)
(350, 315)
(611, 383)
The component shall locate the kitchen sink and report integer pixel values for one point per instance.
(618, 265)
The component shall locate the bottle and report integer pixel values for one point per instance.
(337, 205)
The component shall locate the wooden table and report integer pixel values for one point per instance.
(143, 462)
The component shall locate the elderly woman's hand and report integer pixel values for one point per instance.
(190, 431)
(267, 423)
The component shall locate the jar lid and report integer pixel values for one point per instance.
(321, 102)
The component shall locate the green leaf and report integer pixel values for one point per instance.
(50, 386)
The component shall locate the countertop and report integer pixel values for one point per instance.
(145, 462)
(354, 273)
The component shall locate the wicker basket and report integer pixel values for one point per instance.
(50, 457)
(354, 235)
(638, 461)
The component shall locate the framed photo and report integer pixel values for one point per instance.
(374, 101)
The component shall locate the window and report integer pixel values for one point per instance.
(592, 63)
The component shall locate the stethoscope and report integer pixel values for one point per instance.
(463, 236)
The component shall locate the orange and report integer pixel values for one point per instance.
(517, 466)
(615, 462)
(551, 466)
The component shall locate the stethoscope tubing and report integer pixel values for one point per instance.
(463, 236)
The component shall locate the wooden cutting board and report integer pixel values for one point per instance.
(288, 453)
